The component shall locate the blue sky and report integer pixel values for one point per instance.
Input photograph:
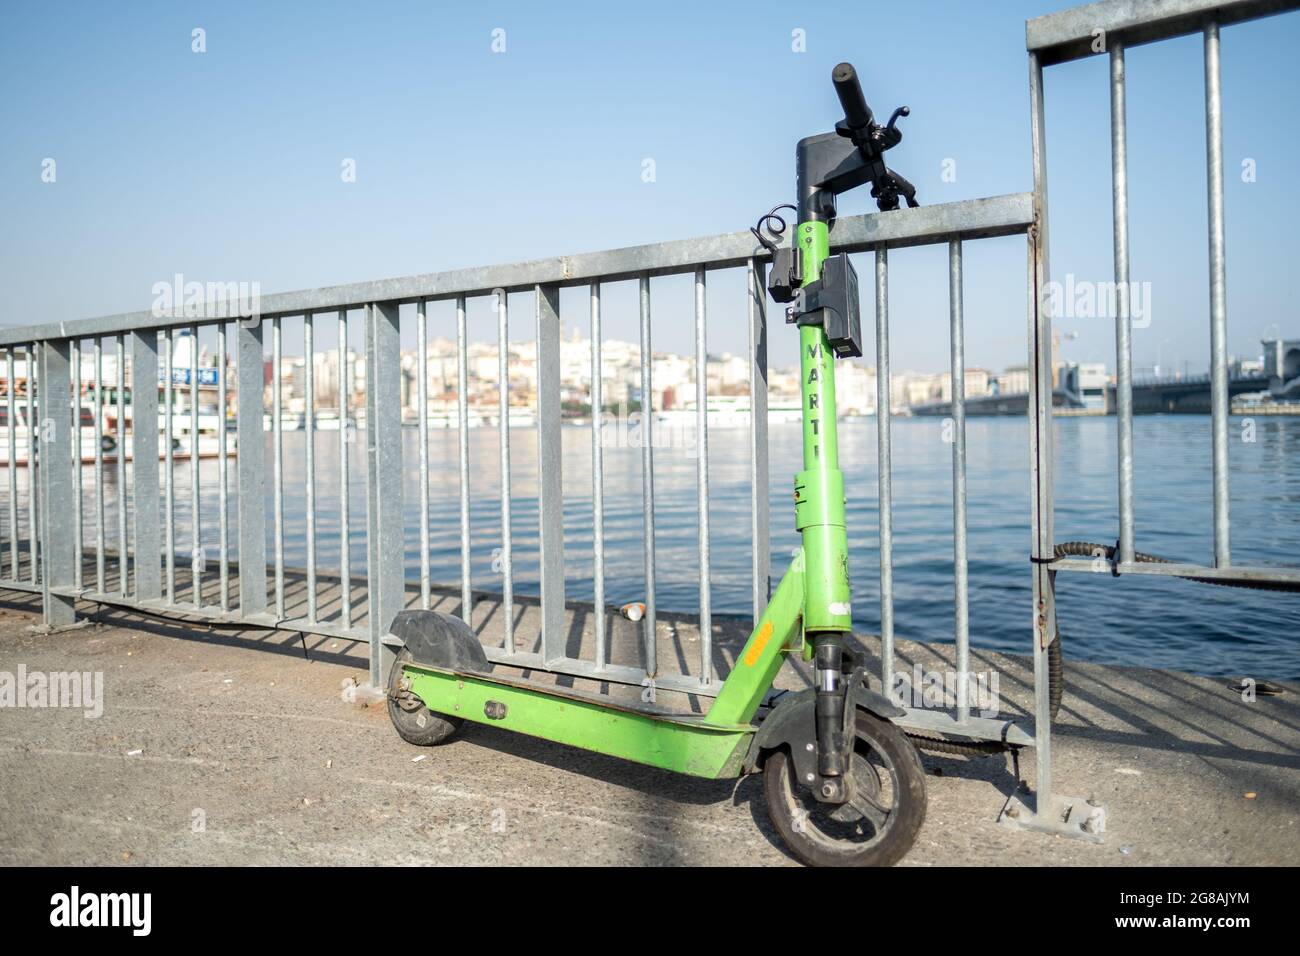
(226, 165)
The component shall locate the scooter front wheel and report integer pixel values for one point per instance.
(877, 826)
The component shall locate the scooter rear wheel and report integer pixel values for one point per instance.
(877, 827)
(415, 723)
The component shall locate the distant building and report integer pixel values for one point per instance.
(1010, 381)
(1282, 366)
(1089, 383)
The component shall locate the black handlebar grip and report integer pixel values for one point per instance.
(856, 112)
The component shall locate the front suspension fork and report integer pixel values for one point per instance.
(834, 742)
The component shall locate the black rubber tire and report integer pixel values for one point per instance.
(419, 725)
(817, 840)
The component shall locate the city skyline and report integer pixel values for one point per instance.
(285, 216)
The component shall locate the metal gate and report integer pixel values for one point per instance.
(1109, 28)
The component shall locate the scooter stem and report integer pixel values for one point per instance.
(820, 519)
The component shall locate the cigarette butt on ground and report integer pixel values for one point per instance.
(634, 611)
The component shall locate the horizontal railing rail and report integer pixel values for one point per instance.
(1005, 215)
(1094, 28)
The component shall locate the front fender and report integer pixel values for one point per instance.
(793, 724)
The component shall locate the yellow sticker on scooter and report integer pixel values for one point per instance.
(758, 643)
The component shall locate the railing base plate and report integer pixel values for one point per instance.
(60, 628)
(1072, 817)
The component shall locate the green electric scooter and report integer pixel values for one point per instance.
(844, 786)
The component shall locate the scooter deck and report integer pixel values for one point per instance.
(683, 743)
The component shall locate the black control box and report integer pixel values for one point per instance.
(786, 275)
(832, 302)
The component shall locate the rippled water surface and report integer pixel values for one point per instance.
(1162, 623)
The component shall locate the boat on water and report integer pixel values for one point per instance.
(15, 437)
(519, 418)
(327, 421)
(116, 420)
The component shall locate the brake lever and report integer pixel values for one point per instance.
(890, 135)
(889, 187)
(904, 187)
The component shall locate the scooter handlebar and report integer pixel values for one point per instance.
(857, 114)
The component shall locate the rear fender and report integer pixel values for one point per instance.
(440, 640)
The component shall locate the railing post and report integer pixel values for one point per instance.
(1123, 321)
(550, 504)
(1041, 400)
(759, 503)
(702, 475)
(503, 444)
(462, 418)
(598, 482)
(251, 469)
(144, 470)
(56, 484)
(384, 542)
(650, 629)
(1220, 403)
(884, 472)
(33, 468)
(960, 568)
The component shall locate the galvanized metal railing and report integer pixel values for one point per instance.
(252, 578)
(1111, 27)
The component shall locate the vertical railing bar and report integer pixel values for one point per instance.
(223, 519)
(33, 465)
(10, 414)
(250, 469)
(345, 531)
(1041, 388)
(462, 412)
(277, 437)
(550, 475)
(702, 475)
(123, 559)
(651, 632)
(169, 487)
(309, 428)
(1123, 328)
(40, 519)
(507, 567)
(99, 464)
(598, 477)
(145, 373)
(1219, 405)
(55, 484)
(884, 469)
(77, 530)
(384, 495)
(760, 511)
(422, 404)
(196, 534)
(961, 607)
